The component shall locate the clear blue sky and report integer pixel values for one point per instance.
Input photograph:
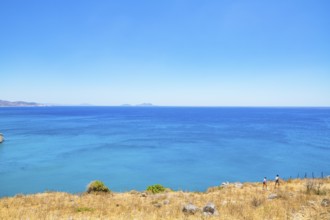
(166, 52)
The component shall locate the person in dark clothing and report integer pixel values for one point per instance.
(277, 181)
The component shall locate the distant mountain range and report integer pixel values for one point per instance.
(139, 105)
(4, 103)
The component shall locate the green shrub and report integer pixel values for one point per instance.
(97, 186)
(157, 188)
(84, 209)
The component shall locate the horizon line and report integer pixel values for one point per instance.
(177, 106)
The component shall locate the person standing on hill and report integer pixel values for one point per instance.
(264, 183)
(277, 181)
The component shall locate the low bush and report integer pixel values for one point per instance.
(256, 202)
(84, 209)
(97, 186)
(214, 189)
(290, 180)
(157, 188)
(314, 187)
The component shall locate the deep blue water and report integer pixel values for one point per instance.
(64, 148)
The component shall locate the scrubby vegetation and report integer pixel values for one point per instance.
(290, 201)
(157, 188)
(83, 209)
(315, 187)
(97, 186)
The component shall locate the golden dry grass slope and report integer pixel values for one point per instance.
(296, 199)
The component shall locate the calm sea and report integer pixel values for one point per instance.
(64, 148)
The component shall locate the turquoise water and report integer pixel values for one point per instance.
(64, 148)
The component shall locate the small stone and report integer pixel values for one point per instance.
(166, 202)
(158, 205)
(297, 216)
(325, 202)
(238, 185)
(210, 209)
(311, 202)
(143, 194)
(272, 196)
(190, 209)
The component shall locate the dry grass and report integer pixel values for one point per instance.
(293, 201)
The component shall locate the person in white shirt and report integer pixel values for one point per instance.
(277, 181)
(264, 183)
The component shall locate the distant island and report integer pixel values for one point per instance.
(139, 105)
(4, 103)
(145, 104)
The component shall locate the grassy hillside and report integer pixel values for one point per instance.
(295, 199)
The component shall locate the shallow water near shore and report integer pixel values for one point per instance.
(64, 148)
